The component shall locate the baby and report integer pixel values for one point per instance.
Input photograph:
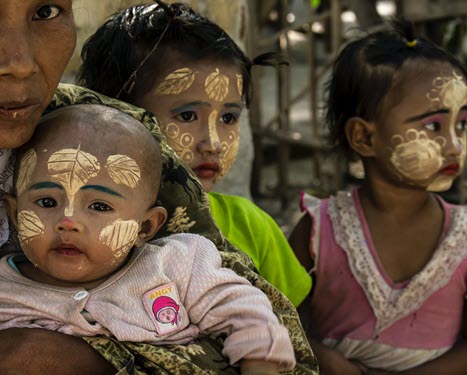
(86, 188)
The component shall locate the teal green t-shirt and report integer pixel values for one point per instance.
(254, 232)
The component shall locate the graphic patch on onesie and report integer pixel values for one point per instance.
(163, 306)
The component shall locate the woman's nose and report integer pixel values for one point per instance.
(454, 145)
(68, 225)
(16, 53)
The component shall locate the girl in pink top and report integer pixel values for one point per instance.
(390, 258)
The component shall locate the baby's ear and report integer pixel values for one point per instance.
(154, 218)
(360, 135)
(9, 201)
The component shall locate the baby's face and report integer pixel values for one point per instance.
(199, 106)
(423, 137)
(79, 209)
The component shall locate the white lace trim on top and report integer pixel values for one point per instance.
(312, 206)
(390, 305)
(382, 356)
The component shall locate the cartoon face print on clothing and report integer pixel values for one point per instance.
(427, 130)
(199, 106)
(163, 306)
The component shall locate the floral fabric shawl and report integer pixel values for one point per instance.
(188, 211)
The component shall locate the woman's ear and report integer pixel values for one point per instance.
(360, 135)
(153, 220)
(9, 201)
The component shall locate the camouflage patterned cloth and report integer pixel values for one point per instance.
(188, 211)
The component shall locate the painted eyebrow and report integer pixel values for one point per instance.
(103, 189)
(46, 185)
(426, 114)
(233, 105)
(188, 106)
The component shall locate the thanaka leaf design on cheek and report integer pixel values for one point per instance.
(120, 236)
(29, 227)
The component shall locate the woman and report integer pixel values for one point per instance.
(36, 42)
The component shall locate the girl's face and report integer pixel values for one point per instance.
(37, 39)
(423, 138)
(198, 106)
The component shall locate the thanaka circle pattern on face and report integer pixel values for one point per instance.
(179, 142)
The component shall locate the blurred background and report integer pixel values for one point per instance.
(284, 147)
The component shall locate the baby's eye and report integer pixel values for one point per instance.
(47, 12)
(433, 126)
(461, 125)
(46, 202)
(100, 206)
(229, 118)
(187, 116)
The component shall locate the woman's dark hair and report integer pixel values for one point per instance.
(366, 68)
(130, 47)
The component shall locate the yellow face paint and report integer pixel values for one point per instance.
(120, 236)
(239, 84)
(417, 157)
(229, 150)
(72, 168)
(217, 86)
(176, 82)
(29, 227)
(26, 168)
(123, 170)
(180, 142)
(212, 127)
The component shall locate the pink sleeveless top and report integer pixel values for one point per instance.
(358, 310)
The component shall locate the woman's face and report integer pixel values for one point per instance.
(199, 106)
(37, 39)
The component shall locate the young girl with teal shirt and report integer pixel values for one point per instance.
(390, 258)
(187, 71)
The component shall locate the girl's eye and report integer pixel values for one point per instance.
(47, 12)
(229, 119)
(433, 126)
(46, 202)
(461, 125)
(99, 206)
(188, 116)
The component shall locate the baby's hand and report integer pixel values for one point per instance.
(256, 367)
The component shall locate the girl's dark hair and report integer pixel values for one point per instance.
(365, 69)
(130, 47)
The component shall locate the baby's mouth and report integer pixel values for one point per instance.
(68, 249)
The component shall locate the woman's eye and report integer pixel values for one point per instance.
(46, 202)
(461, 125)
(229, 118)
(47, 12)
(188, 116)
(99, 206)
(433, 126)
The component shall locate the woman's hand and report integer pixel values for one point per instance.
(40, 352)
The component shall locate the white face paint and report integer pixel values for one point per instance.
(120, 237)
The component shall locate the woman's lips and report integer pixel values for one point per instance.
(14, 111)
(451, 169)
(67, 249)
(207, 170)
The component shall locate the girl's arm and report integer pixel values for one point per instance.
(299, 241)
